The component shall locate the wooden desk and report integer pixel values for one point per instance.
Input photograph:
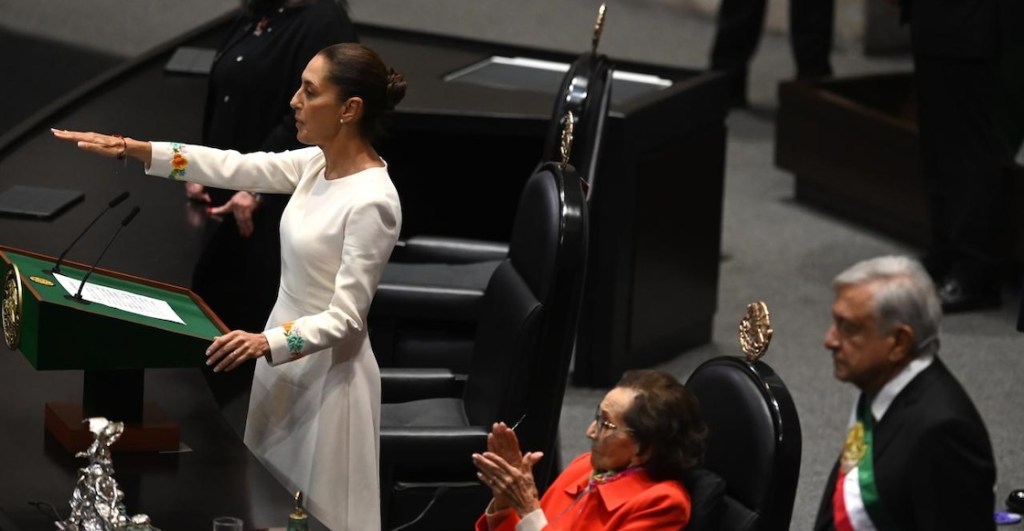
(852, 145)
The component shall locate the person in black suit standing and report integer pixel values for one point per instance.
(957, 47)
(917, 455)
(738, 31)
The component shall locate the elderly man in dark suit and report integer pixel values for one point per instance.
(917, 455)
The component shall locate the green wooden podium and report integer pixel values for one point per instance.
(112, 347)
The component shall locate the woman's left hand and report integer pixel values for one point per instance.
(231, 350)
(516, 485)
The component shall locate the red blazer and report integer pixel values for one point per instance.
(634, 502)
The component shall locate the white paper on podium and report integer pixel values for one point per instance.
(120, 299)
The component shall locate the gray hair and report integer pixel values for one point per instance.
(905, 295)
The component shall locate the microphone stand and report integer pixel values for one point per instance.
(113, 203)
(77, 297)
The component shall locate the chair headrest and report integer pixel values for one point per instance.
(586, 91)
(548, 210)
(754, 436)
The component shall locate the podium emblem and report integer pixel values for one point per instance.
(42, 281)
(12, 307)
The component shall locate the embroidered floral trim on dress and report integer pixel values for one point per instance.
(295, 341)
(178, 161)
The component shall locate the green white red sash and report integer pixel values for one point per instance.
(856, 505)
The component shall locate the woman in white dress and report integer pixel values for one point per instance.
(314, 414)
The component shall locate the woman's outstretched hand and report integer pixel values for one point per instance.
(112, 146)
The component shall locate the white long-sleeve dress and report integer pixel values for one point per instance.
(314, 413)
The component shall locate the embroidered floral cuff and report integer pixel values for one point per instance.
(293, 339)
(179, 161)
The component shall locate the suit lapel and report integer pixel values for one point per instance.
(898, 415)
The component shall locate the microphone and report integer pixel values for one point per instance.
(113, 203)
(128, 219)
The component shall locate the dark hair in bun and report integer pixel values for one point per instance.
(357, 71)
(396, 87)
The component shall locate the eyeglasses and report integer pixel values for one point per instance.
(604, 425)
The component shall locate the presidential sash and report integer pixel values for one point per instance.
(856, 505)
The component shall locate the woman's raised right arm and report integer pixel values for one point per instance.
(256, 172)
(114, 146)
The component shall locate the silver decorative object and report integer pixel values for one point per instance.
(96, 501)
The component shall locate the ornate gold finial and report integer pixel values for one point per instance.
(755, 331)
(566, 147)
(598, 28)
(12, 308)
(298, 520)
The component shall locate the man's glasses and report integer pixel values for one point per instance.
(604, 425)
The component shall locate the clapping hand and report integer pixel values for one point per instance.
(503, 442)
(510, 486)
(507, 471)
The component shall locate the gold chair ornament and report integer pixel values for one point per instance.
(598, 28)
(567, 131)
(755, 331)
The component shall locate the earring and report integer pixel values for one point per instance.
(341, 121)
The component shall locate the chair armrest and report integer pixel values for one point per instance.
(431, 446)
(403, 384)
(434, 249)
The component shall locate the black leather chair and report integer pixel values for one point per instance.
(425, 310)
(431, 422)
(585, 92)
(754, 445)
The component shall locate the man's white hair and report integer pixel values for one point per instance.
(904, 295)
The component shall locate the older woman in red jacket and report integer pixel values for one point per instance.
(646, 433)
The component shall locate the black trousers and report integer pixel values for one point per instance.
(741, 22)
(963, 154)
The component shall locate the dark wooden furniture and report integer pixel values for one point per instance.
(852, 145)
(459, 151)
